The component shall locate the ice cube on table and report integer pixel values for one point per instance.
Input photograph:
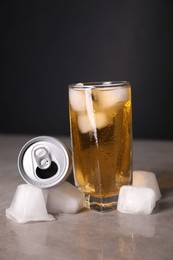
(77, 100)
(136, 200)
(65, 198)
(146, 179)
(28, 204)
(99, 120)
(109, 97)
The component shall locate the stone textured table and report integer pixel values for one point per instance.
(90, 235)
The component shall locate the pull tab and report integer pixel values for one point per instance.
(42, 158)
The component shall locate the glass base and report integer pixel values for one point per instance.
(101, 204)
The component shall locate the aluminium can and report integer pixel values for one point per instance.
(44, 162)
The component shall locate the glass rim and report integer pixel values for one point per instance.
(100, 84)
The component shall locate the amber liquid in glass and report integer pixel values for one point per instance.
(101, 134)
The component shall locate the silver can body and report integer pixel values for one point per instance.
(44, 162)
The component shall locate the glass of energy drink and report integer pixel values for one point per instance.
(101, 138)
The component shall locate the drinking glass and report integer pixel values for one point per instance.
(101, 139)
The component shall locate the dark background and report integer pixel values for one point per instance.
(46, 45)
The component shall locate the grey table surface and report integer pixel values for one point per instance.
(90, 235)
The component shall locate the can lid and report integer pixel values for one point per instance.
(44, 162)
